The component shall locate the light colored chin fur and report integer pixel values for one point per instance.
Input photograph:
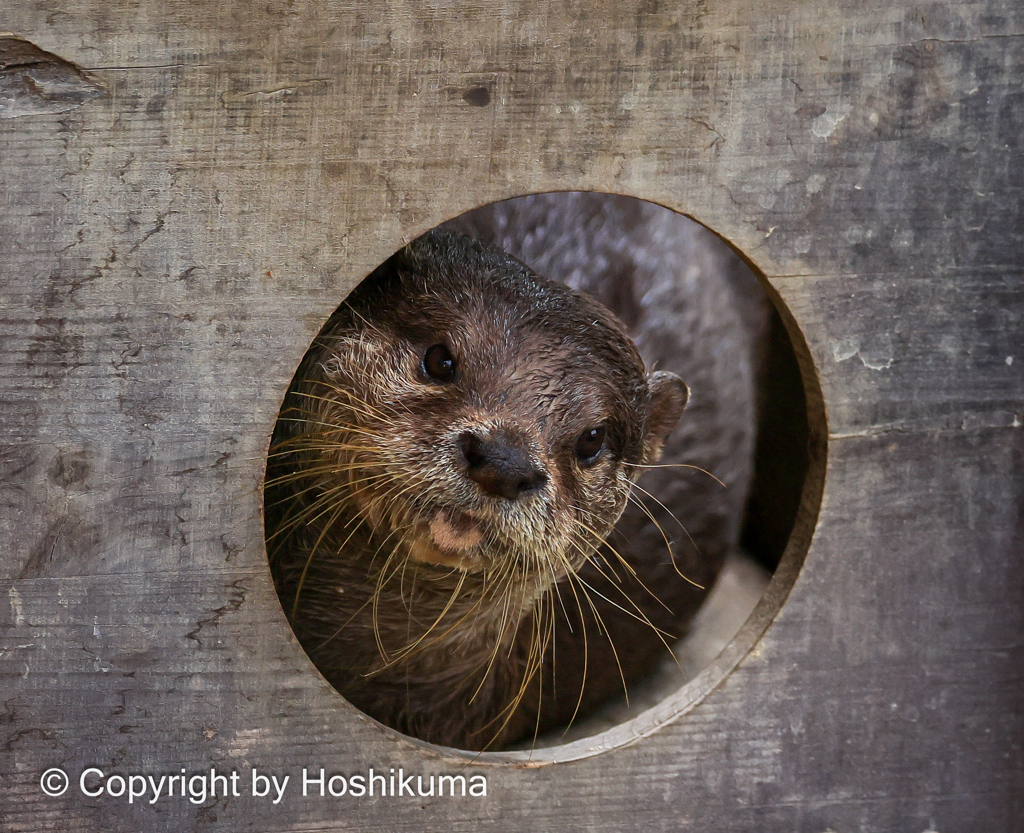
(448, 542)
(456, 532)
(425, 551)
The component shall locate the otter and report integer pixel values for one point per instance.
(457, 445)
(442, 481)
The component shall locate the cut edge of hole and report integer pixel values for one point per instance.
(690, 694)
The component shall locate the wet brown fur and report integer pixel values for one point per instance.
(457, 647)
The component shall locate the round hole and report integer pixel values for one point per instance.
(381, 527)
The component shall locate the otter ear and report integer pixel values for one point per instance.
(669, 395)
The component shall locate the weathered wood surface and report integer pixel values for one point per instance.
(186, 200)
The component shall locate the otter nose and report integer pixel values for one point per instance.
(499, 466)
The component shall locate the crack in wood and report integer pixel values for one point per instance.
(232, 606)
(35, 82)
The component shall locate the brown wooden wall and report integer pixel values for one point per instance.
(187, 189)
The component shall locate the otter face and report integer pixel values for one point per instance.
(478, 417)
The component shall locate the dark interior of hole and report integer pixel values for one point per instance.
(781, 455)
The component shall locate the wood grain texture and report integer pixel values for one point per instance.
(189, 189)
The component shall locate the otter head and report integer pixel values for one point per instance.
(478, 417)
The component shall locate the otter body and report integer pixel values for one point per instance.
(449, 465)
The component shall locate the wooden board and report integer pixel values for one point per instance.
(189, 188)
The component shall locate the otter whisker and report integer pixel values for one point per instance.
(586, 643)
(312, 512)
(598, 555)
(309, 560)
(365, 410)
(639, 615)
(637, 502)
(675, 466)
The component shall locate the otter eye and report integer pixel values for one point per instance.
(439, 364)
(589, 445)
